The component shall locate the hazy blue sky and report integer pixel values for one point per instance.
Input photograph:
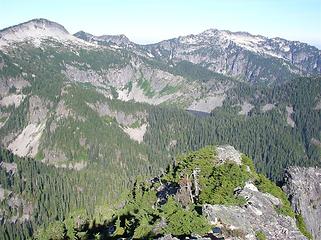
(146, 21)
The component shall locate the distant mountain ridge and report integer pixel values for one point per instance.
(253, 58)
(237, 54)
(116, 39)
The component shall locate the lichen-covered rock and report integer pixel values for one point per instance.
(303, 186)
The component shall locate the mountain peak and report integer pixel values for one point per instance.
(37, 23)
(120, 39)
(33, 29)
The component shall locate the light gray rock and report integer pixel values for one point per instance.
(303, 186)
(37, 110)
(228, 153)
(241, 54)
(9, 167)
(258, 214)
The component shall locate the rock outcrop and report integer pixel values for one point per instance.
(303, 186)
(258, 215)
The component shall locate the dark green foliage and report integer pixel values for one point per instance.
(219, 186)
(17, 119)
(144, 84)
(264, 136)
(183, 222)
(196, 72)
(168, 89)
(55, 192)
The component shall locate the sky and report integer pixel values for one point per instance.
(149, 21)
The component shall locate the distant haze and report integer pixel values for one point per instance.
(149, 21)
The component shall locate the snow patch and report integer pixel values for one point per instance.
(150, 55)
(116, 46)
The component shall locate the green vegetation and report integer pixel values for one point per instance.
(136, 124)
(260, 235)
(168, 89)
(145, 212)
(114, 92)
(217, 182)
(265, 185)
(144, 84)
(219, 187)
(264, 136)
(17, 119)
(183, 222)
(301, 225)
(54, 231)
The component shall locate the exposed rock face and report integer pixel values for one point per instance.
(120, 40)
(237, 54)
(13, 99)
(8, 167)
(258, 214)
(267, 107)
(207, 104)
(228, 153)
(246, 107)
(241, 54)
(289, 119)
(26, 143)
(303, 186)
(36, 30)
